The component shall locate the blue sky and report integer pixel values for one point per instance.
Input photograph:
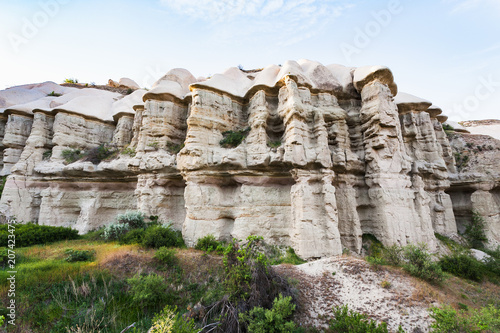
(447, 51)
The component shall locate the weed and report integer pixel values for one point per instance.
(232, 139)
(54, 94)
(462, 264)
(71, 80)
(447, 127)
(47, 155)
(170, 321)
(162, 235)
(134, 219)
(448, 320)
(349, 321)
(3, 180)
(71, 155)
(135, 236)
(209, 244)
(174, 148)
(79, 255)
(130, 151)
(115, 231)
(155, 145)
(31, 234)
(385, 284)
(418, 262)
(274, 144)
(97, 154)
(149, 290)
(166, 256)
(275, 320)
(474, 233)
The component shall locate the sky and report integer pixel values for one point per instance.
(446, 51)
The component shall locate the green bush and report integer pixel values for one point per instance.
(149, 290)
(71, 80)
(79, 255)
(232, 139)
(448, 320)
(447, 127)
(275, 320)
(32, 234)
(115, 231)
(240, 263)
(474, 233)
(100, 153)
(291, 257)
(372, 245)
(71, 155)
(349, 321)
(170, 321)
(135, 236)
(462, 264)
(162, 235)
(54, 94)
(418, 262)
(393, 255)
(166, 256)
(134, 219)
(207, 243)
(3, 180)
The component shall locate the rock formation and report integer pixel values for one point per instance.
(328, 153)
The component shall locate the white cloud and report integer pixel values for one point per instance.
(460, 6)
(287, 21)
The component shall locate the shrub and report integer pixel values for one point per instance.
(135, 236)
(79, 255)
(54, 94)
(174, 148)
(418, 262)
(207, 243)
(393, 255)
(71, 80)
(348, 321)
(170, 321)
(162, 235)
(115, 231)
(274, 144)
(32, 234)
(3, 180)
(462, 264)
(100, 153)
(47, 155)
(240, 263)
(376, 262)
(166, 256)
(71, 155)
(232, 139)
(447, 127)
(474, 233)
(291, 257)
(372, 245)
(134, 219)
(277, 319)
(149, 290)
(385, 284)
(128, 151)
(448, 320)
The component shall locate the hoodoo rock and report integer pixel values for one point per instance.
(306, 155)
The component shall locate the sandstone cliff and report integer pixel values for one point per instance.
(328, 153)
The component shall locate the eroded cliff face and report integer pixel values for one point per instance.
(328, 154)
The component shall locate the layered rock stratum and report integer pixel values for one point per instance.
(329, 153)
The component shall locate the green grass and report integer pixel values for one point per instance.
(56, 295)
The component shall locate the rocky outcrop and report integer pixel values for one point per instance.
(306, 155)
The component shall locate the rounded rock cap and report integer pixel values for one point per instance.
(366, 74)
